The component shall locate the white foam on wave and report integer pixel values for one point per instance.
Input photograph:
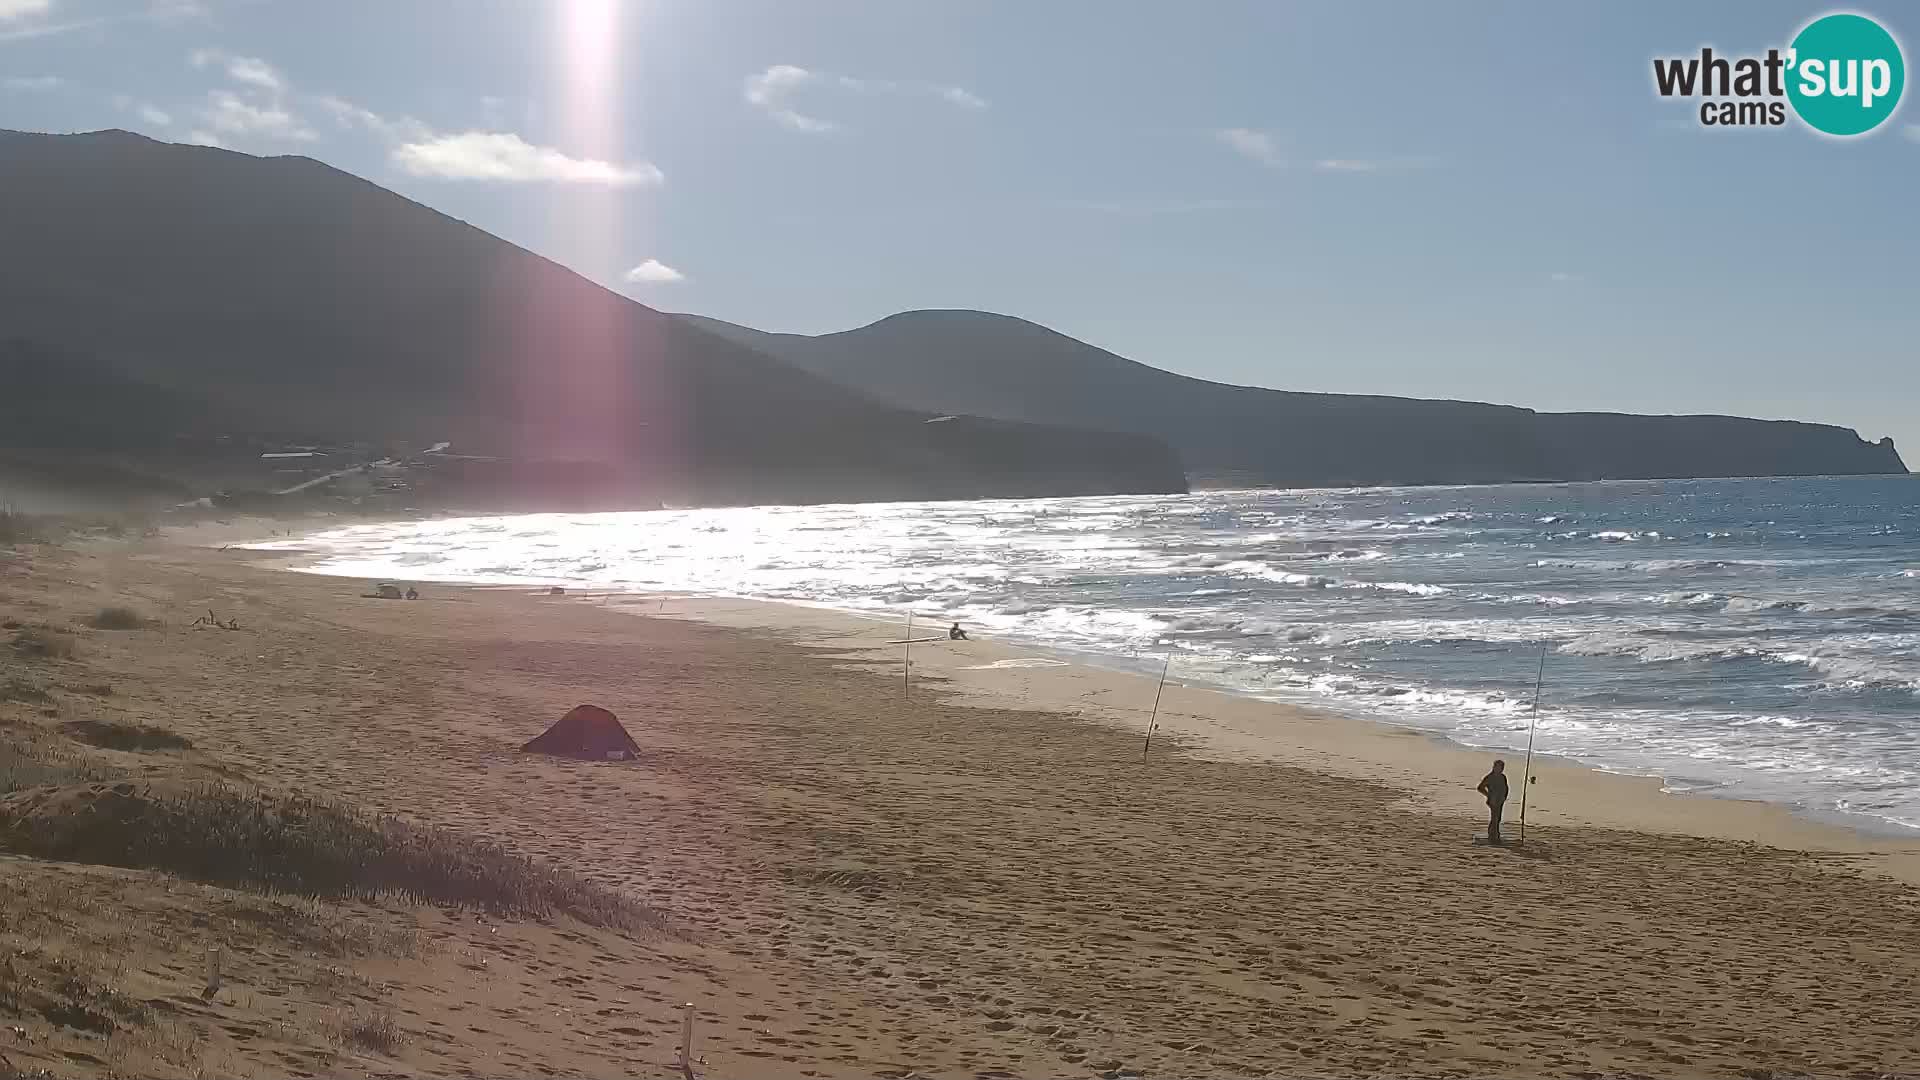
(1836, 668)
(1691, 599)
(1256, 569)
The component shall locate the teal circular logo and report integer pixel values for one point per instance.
(1845, 74)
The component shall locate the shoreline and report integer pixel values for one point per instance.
(1434, 773)
(976, 877)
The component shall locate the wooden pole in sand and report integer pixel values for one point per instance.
(1526, 772)
(1154, 720)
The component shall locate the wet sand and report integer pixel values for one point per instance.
(980, 877)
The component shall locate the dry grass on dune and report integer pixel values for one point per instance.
(298, 845)
(44, 643)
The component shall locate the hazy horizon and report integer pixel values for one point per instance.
(1494, 209)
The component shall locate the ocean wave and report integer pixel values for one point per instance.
(1265, 572)
(1655, 650)
(1539, 599)
(1497, 704)
(1744, 604)
(1863, 673)
(1692, 599)
(1438, 519)
(1658, 566)
(1847, 672)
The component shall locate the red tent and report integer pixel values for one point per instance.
(588, 732)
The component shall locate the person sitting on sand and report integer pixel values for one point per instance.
(956, 634)
(413, 593)
(1494, 787)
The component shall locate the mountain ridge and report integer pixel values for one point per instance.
(288, 295)
(1000, 365)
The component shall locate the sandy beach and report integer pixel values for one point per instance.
(974, 875)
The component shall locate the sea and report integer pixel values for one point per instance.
(1750, 638)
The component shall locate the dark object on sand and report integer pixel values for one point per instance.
(587, 732)
(384, 591)
(210, 619)
(557, 590)
(956, 634)
(413, 594)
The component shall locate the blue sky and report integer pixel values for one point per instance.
(1480, 201)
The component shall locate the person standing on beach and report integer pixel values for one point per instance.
(1494, 787)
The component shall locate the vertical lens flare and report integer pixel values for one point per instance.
(585, 362)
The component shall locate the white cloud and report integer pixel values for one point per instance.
(229, 114)
(143, 110)
(653, 272)
(769, 89)
(504, 156)
(348, 115)
(20, 9)
(33, 84)
(204, 138)
(772, 91)
(962, 97)
(1158, 207)
(247, 69)
(164, 10)
(1255, 145)
(1368, 165)
(250, 70)
(28, 11)
(260, 107)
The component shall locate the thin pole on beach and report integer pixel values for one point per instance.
(1154, 720)
(1526, 773)
(906, 669)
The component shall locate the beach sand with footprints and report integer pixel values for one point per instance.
(974, 877)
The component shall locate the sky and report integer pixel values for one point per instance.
(1482, 201)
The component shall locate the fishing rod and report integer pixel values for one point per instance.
(1154, 720)
(1526, 773)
